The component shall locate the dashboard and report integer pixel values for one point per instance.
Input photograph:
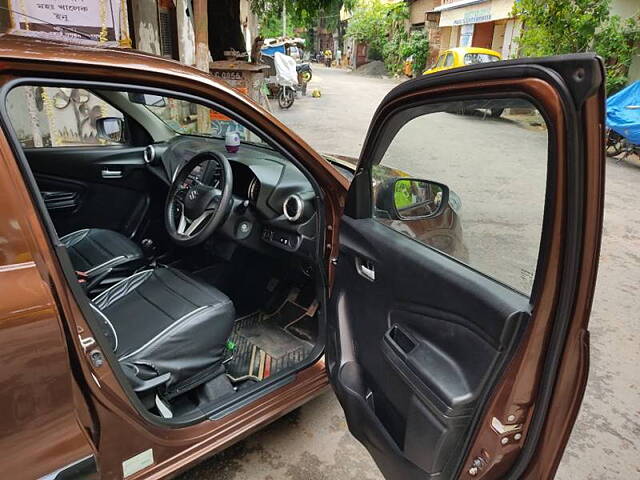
(274, 204)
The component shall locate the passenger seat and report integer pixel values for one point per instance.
(96, 250)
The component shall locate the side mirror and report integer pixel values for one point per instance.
(415, 199)
(110, 129)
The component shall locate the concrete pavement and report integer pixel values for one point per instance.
(314, 443)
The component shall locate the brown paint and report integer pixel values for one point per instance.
(32, 276)
(40, 427)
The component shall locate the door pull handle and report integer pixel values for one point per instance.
(366, 269)
(106, 173)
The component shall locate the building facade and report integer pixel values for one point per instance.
(467, 23)
(484, 23)
(165, 27)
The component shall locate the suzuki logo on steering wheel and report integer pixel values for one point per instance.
(192, 194)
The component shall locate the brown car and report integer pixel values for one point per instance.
(179, 269)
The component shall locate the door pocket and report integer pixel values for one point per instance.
(61, 200)
(399, 339)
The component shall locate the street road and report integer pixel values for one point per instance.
(502, 190)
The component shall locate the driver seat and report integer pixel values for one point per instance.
(167, 329)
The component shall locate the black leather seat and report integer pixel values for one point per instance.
(95, 249)
(166, 328)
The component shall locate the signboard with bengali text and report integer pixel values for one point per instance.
(85, 21)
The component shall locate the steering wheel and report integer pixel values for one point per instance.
(194, 209)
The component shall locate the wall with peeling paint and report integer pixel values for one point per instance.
(186, 35)
(249, 22)
(145, 26)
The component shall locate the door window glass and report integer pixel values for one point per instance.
(440, 61)
(486, 163)
(58, 117)
(449, 61)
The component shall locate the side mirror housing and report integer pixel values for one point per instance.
(415, 199)
(110, 129)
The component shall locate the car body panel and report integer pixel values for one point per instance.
(46, 423)
(95, 407)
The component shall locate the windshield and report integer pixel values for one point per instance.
(182, 117)
(475, 58)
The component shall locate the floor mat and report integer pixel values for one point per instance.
(262, 347)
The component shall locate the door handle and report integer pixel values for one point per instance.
(366, 268)
(106, 173)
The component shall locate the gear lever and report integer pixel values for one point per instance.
(148, 248)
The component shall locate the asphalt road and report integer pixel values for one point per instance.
(505, 169)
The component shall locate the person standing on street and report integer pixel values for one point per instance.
(328, 57)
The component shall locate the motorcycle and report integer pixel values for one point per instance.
(623, 122)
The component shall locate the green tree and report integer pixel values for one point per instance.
(370, 24)
(300, 14)
(382, 27)
(568, 26)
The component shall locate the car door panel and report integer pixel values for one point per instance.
(84, 187)
(425, 354)
(442, 371)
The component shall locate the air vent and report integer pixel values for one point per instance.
(293, 208)
(149, 155)
(254, 190)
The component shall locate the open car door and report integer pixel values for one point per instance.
(457, 328)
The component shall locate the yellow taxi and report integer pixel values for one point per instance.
(461, 56)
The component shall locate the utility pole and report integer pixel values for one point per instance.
(201, 27)
(284, 18)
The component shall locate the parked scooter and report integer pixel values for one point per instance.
(623, 122)
(287, 79)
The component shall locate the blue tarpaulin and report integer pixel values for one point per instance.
(622, 119)
(272, 49)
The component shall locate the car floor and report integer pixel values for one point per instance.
(264, 344)
(275, 329)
